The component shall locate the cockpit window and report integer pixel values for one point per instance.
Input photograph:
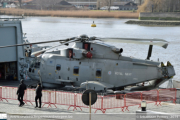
(35, 63)
(58, 67)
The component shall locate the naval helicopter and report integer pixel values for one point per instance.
(93, 64)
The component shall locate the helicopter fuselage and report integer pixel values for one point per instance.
(99, 63)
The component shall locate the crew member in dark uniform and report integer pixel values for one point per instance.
(38, 95)
(20, 92)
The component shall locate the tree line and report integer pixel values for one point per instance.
(160, 6)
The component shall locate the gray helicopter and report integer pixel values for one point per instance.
(93, 64)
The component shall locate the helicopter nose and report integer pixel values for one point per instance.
(168, 70)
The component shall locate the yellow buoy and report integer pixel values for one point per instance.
(93, 24)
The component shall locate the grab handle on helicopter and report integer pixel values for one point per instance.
(149, 52)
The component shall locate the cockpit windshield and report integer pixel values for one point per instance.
(35, 63)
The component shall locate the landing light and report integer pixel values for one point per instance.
(143, 105)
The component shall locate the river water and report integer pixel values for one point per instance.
(54, 28)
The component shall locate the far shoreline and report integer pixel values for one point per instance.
(74, 14)
(64, 17)
(154, 22)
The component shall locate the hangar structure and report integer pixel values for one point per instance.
(12, 58)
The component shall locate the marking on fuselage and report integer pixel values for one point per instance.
(118, 73)
(76, 74)
(109, 72)
(98, 77)
(128, 74)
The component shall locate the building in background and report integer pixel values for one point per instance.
(73, 4)
(117, 5)
(102, 4)
(128, 6)
(91, 4)
(8, 3)
(62, 5)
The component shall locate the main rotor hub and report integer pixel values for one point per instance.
(83, 37)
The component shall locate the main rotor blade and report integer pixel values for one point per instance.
(158, 42)
(38, 42)
(42, 51)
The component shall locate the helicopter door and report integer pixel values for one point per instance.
(86, 46)
(59, 69)
(98, 68)
(50, 69)
(85, 72)
(70, 53)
